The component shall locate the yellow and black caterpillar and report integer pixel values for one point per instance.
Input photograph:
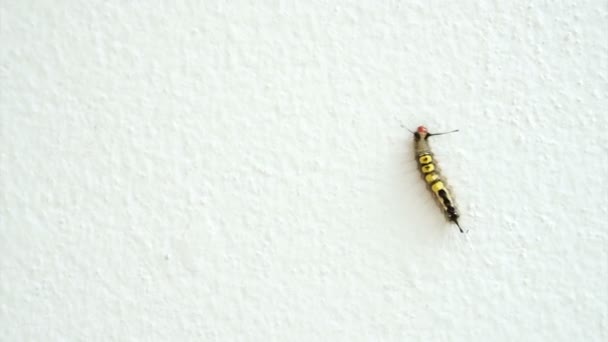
(430, 173)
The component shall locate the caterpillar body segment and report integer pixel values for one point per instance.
(432, 176)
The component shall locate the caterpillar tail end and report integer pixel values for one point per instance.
(459, 227)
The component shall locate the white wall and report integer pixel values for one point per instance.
(237, 172)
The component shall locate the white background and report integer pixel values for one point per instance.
(237, 172)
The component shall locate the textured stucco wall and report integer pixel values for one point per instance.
(237, 171)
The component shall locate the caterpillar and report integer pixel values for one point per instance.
(431, 174)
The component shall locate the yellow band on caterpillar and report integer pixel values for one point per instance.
(431, 177)
(437, 186)
(428, 168)
(425, 159)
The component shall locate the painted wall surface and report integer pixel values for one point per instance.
(236, 171)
